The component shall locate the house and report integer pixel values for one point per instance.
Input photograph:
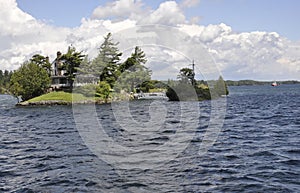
(58, 78)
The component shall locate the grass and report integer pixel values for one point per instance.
(61, 96)
(157, 90)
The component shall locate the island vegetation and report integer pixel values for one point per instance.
(4, 81)
(187, 88)
(103, 79)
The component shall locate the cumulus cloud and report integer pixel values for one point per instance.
(22, 35)
(189, 3)
(120, 9)
(251, 55)
(262, 55)
(168, 13)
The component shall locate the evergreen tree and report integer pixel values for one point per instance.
(138, 57)
(187, 88)
(106, 64)
(133, 70)
(85, 66)
(1, 78)
(220, 87)
(186, 75)
(4, 80)
(72, 60)
(43, 62)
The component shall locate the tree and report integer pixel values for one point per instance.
(186, 75)
(4, 80)
(72, 60)
(103, 90)
(43, 62)
(138, 57)
(133, 70)
(187, 88)
(85, 66)
(220, 87)
(106, 64)
(29, 81)
(1, 78)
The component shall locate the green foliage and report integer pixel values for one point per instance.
(203, 93)
(103, 90)
(138, 57)
(187, 88)
(43, 62)
(72, 60)
(29, 81)
(85, 66)
(220, 88)
(182, 92)
(133, 71)
(152, 86)
(106, 64)
(88, 90)
(4, 80)
(186, 75)
(146, 86)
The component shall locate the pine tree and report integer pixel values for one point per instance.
(72, 60)
(133, 70)
(106, 64)
(220, 87)
(42, 61)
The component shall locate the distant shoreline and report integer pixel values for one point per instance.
(256, 83)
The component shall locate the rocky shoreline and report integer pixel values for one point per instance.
(58, 102)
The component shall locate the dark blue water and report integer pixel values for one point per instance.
(257, 150)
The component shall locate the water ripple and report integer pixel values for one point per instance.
(258, 149)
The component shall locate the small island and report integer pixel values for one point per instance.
(74, 78)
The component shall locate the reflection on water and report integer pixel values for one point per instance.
(258, 149)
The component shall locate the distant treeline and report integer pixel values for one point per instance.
(4, 80)
(254, 82)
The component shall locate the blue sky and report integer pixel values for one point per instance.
(280, 16)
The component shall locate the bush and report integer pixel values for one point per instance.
(29, 81)
(186, 92)
(88, 90)
(103, 90)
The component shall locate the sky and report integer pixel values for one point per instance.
(247, 39)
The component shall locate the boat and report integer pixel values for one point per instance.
(152, 96)
(274, 84)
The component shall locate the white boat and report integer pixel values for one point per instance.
(152, 96)
(274, 84)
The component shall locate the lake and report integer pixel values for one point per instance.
(65, 149)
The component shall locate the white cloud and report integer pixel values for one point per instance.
(168, 13)
(120, 9)
(189, 3)
(255, 55)
(206, 33)
(22, 35)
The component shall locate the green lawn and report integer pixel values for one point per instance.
(61, 96)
